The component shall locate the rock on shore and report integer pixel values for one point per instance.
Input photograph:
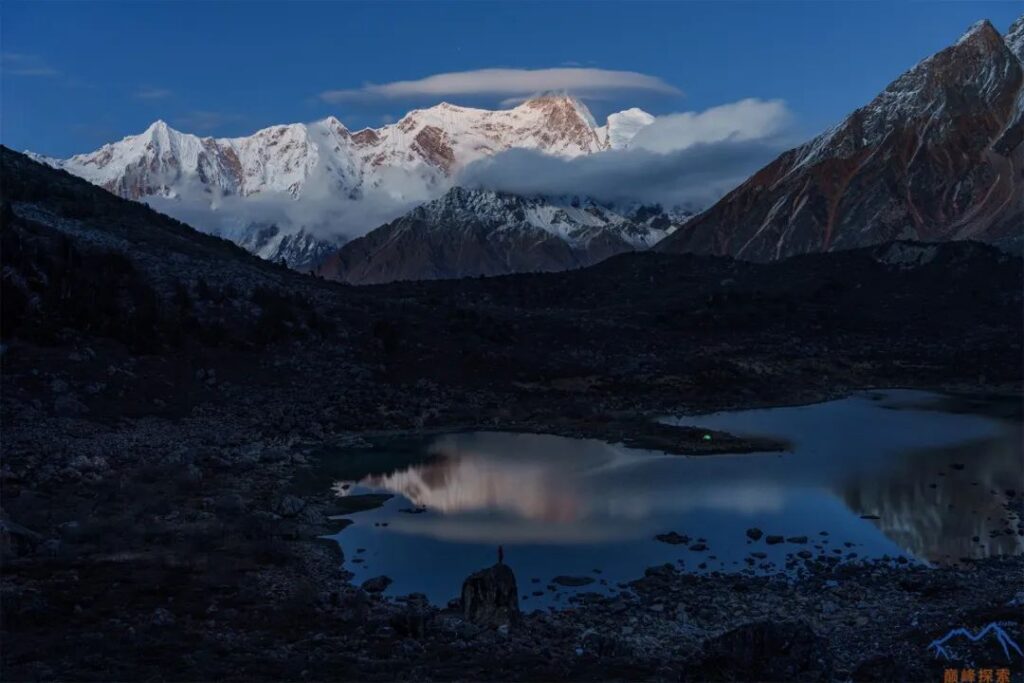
(490, 597)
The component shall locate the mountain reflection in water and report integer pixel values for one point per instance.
(934, 511)
(935, 480)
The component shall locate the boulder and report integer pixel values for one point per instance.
(490, 597)
(661, 571)
(162, 617)
(572, 581)
(69, 406)
(289, 506)
(377, 584)
(16, 540)
(411, 620)
(766, 651)
(672, 538)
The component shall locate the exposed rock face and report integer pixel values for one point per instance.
(490, 597)
(467, 233)
(299, 250)
(1015, 38)
(936, 156)
(568, 124)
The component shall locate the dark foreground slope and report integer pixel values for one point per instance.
(161, 390)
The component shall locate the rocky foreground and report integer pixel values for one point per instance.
(164, 392)
(152, 549)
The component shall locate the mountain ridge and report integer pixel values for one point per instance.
(932, 157)
(472, 232)
(362, 178)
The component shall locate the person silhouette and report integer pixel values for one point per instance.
(501, 555)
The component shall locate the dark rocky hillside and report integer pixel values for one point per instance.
(75, 259)
(164, 392)
(81, 264)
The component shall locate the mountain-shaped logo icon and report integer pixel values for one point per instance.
(939, 645)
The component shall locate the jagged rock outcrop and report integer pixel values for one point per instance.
(490, 597)
(297, 249)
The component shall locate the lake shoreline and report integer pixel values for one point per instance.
(156, 419)
(201, 509)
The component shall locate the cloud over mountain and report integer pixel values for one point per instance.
(689, 158)
(747, 119)
(509, 82)
(330, 184)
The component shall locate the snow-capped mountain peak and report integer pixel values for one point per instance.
(623, 126)
(470, 232)
(332, 122)
(158, 127)
(933, 157)
(977, 63)
(978, 28)
(239, 187)
(1015, 38)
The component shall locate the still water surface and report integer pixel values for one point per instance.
(934, 473)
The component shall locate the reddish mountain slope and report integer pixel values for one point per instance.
(936, 156)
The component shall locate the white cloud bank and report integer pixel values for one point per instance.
(749, 119)
(502, 82)
(322, 210)
(686, 159)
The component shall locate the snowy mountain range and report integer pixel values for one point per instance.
(296, 192)
(467, 233)
(936, 156)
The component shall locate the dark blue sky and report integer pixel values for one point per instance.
(76, 75)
